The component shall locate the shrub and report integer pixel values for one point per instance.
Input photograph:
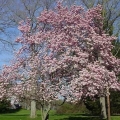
(115, 102)
(93, 105)
(4, 105)
(68, 108)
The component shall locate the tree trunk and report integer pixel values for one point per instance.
(103, 107)
(108, 103)
(45, 112)
(33, 109)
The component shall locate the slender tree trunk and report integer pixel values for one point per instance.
(103, 107)
(108, 103)
(102, 100)
(42, 115)
(45, 112)
(33, 109)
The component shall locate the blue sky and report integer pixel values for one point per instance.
(5, 58)
(6, 51)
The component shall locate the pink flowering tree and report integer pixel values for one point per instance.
(79, 46)
(68, 55)
(78, 42)
(25, 81)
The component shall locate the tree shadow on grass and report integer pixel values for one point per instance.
(81, 118)
(116, 115)
(7, 111)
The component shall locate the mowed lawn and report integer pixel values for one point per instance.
(24, 115)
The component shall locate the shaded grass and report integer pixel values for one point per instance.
(24, 115)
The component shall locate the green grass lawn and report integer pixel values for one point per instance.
(24, 115)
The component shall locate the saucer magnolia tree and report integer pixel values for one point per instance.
(71, 57)
(78, 45)
(25, 81)
(75, 42)
(80, 50)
